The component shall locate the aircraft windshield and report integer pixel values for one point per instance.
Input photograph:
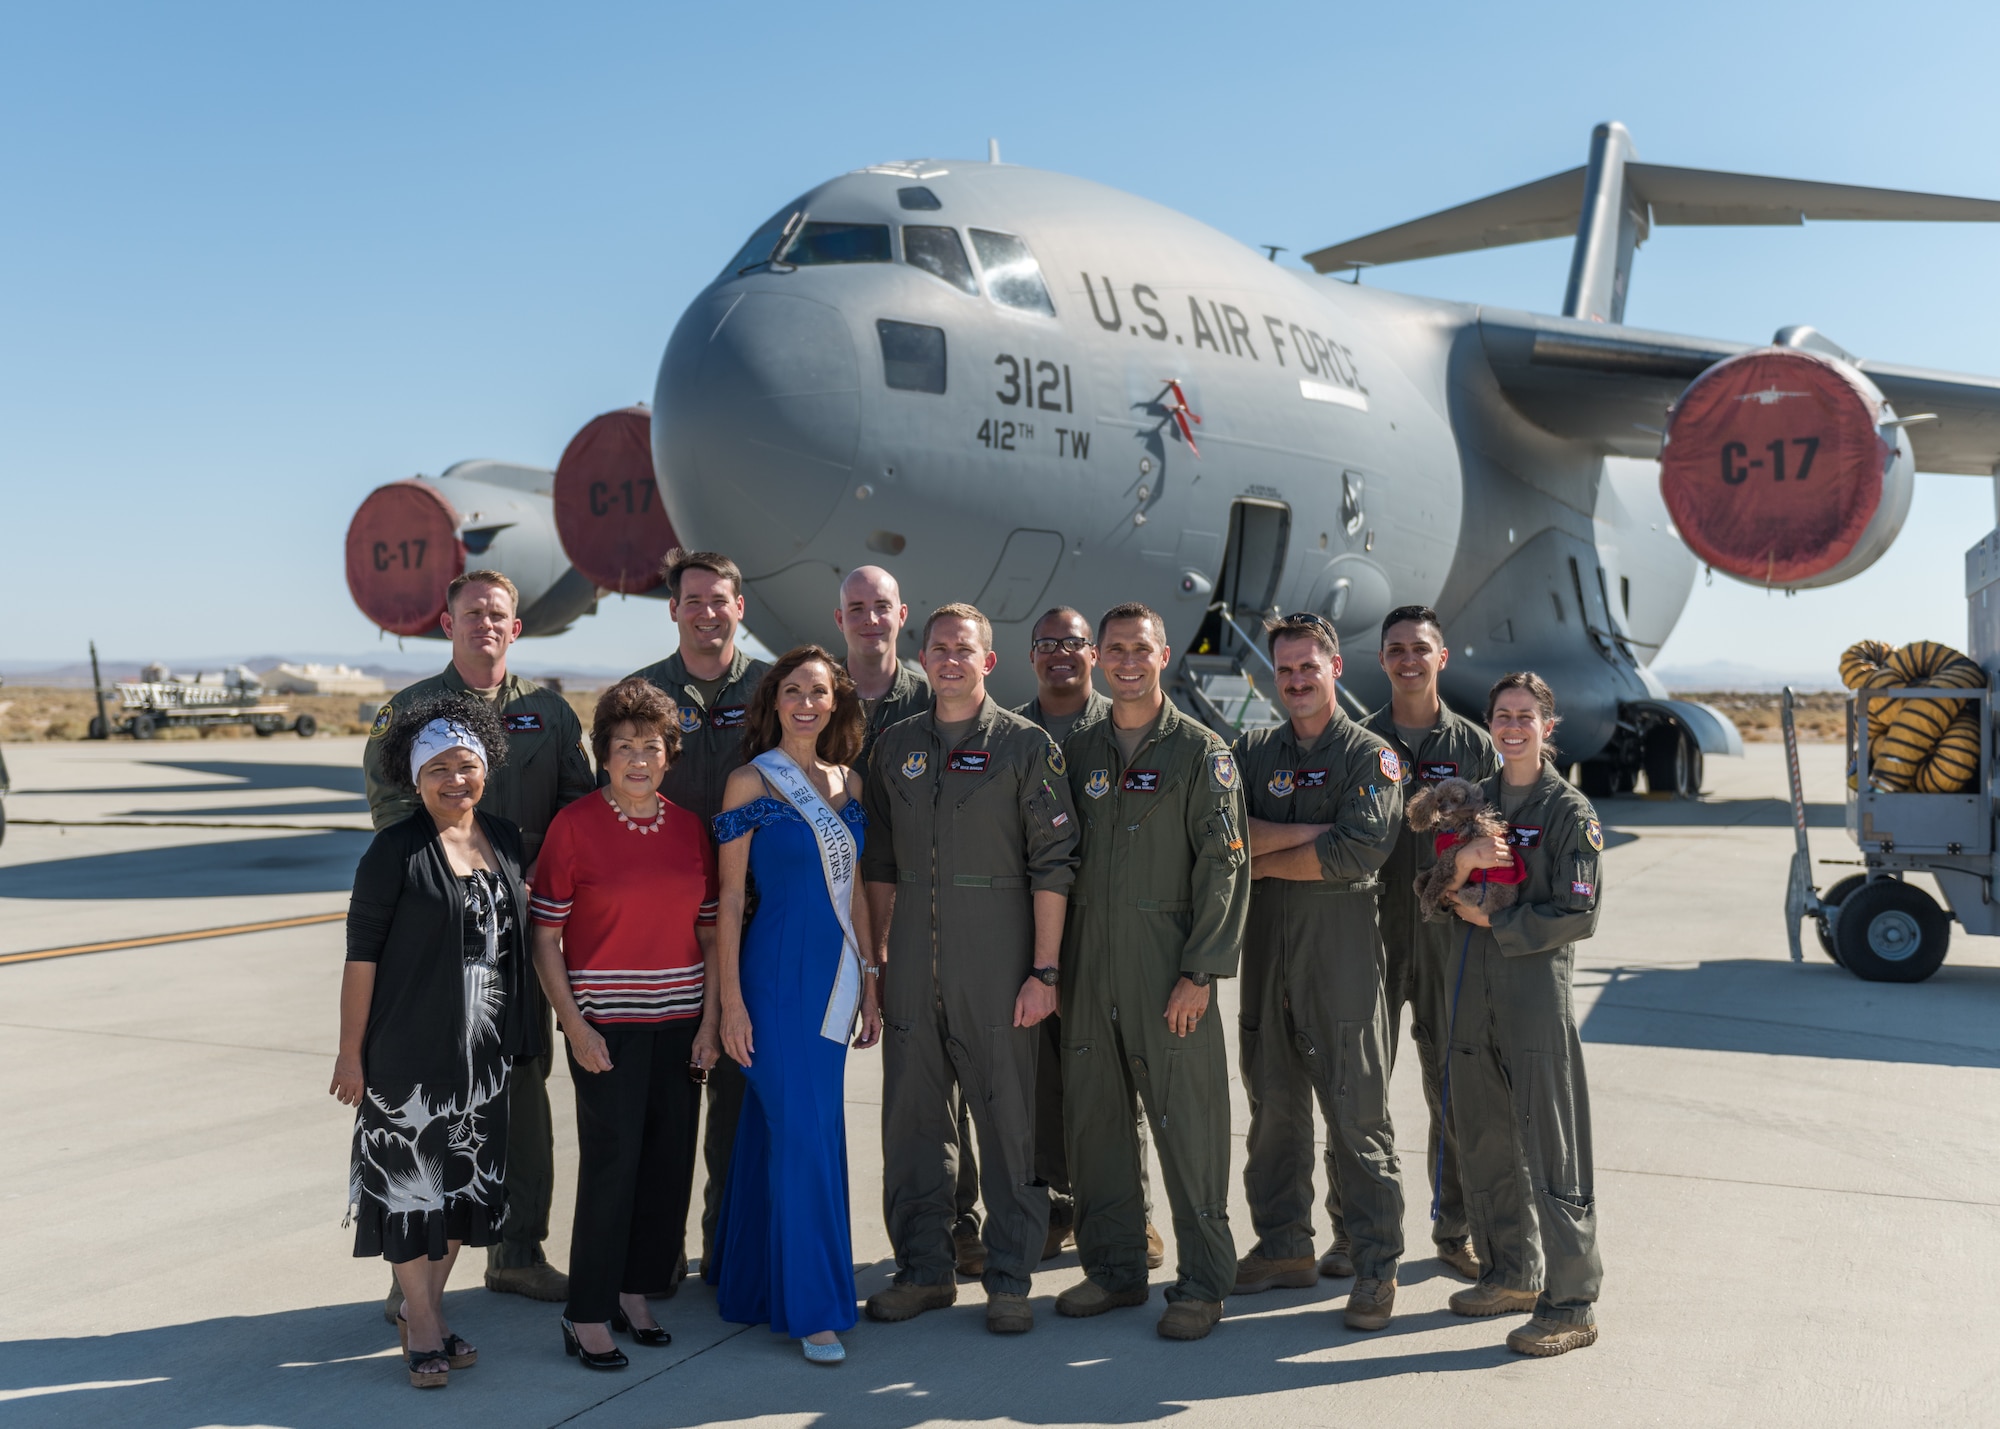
(758, 250)
(1013, 277)
(821, 243)
(937, 251)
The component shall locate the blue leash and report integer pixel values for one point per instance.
(1444, 1094)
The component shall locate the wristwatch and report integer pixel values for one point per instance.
(1048, 977)
(1199, 979)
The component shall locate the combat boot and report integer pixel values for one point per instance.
(540, 1281)
(1371, 1304)
(1460, 1256)
(1258, 1273)
(1087, 1297)
(970, 1248)
(1543, 1338)
(1338, 1263)
(1156, 1249)
(906, 1302)
(1189, 1319)
(1062, 1229)
(1008, 1314)
(1492, 1299)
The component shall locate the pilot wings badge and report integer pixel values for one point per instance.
(1281, 784)
(1098, 784)
(914, 766)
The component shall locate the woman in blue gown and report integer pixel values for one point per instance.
(791, 989)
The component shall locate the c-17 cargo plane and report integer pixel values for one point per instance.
(1020, 388)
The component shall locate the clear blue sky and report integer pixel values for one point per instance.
(256, 260)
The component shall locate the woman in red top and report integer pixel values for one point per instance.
(624, 911)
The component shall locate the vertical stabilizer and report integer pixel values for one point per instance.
(1611, 225)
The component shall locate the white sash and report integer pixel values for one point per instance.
(837, 855)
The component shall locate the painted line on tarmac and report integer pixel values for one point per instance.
(119, 944)
(1794, 1186)
(185, 824)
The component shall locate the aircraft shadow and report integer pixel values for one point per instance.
(305, 863)
(230, 776)
(1635, 813)
(1813, 1010)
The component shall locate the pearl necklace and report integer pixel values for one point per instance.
(637, 828)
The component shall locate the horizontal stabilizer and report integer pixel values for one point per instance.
(1552, 208)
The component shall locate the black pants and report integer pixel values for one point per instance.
(635, 1132)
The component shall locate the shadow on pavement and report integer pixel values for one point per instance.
(1634, 813)
(1802, 1010)
(304, 863)
(230, 776)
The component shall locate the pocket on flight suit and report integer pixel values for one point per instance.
(1548, 1116)
(1361, 1082)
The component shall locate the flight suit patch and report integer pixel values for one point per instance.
(1142, 781)
(1281, 784)
(1057, 764)
(690, 719)
(384, 717)
(1582, 889)
(1523, 836)
(729, 717)
(969, 761)
(914, 766)
(1312, 778)
(524, 724)
(1593, 834)
(1098, 784)
(1392, 767)
(1432, 771)
(1222, 769)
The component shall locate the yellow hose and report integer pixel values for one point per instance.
(1930, 746)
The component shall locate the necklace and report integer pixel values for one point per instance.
(659, 817)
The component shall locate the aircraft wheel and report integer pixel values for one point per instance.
(1598, 778)
(1673, 762)
(306, 725)
(3, 821)
(1888, 931)
(144, 726)
(1832, 899)
(99, 727)
(266, 728)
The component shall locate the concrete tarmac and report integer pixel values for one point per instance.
(1796, 1176)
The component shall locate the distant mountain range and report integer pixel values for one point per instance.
(1734, 675)
(395, 671)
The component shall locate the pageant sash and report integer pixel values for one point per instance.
(837, 856)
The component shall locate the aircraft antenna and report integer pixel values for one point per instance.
(992, 151)
(1272, 250)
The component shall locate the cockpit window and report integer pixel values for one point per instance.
(821, 243)
(758, 250)
(937, 251)
(1013, 277)
(912, 356)
(918, 198)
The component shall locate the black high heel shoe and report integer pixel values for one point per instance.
(653, 1335)
(615, 1359)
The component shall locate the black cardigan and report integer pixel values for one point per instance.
(407, 916)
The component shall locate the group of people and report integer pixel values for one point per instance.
(1027, 909)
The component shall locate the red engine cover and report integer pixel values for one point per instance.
(1774, 464)
(608, 512)
(403, 553)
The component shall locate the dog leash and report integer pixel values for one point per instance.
(1444, 1091)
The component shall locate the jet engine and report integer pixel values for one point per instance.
(410, 539)
(1786, 467)
(613, 525)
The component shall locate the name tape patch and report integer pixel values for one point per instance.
(729, 717)
(1524, 836)
(1312, 778)
(1432, 770)
(516, 723)
(969, 761)
(1142, 781)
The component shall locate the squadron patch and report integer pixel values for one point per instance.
(1281, 784)
(1392, 767)
(914, 766)
(384, 717)
(1098, 784)
(1593, 834)
(690, 719)
(1222, 768)
(1057, 764)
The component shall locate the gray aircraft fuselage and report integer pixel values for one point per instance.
(1355, 450)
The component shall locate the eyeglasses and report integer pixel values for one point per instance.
(1067, 645)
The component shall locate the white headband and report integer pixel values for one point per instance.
(439, 736)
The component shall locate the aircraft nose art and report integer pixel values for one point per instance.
(759, 416)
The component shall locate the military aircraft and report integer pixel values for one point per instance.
(1019, 388)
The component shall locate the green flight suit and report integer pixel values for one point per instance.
(1420, 956)
(1313, 1019)
(1516, 1087)
(967, 834)
(711, 751)
(909, 694)
(546, 768)
(1162, 888)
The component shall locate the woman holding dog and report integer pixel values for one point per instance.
(1515, 1087)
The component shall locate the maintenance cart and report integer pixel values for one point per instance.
(1877, 924)
(148, 706)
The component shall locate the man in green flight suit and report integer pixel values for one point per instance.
(1156, 914)
(1325, 802)
(711, 682)
(546, 768)
(1433, 744)
(970, 857)
(871, 616)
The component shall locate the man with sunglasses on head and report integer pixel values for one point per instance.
(1325, 802)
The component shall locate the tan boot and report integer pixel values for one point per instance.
(1338, 1263)
(540, 1281)
(906, 1302)
(1189, 1319)
(1543, 1338)
(1258, 1273)
(1460, 1256)
(392, 1305)
(1008, 1314)
(1156, 1249)
(1061, 1234)
(1371, 1304)
(1483, 1300)
(970, 1249)
(1087, 1297)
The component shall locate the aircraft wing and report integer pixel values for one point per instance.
(1613, 385)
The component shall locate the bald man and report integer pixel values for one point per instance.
(871, 616)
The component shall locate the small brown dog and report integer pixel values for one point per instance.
(1459, 808)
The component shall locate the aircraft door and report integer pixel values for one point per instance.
(1014, 591)
(1253, 561)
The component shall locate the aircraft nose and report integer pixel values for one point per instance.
(757, 418)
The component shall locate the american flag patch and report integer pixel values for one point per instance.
(1582, 889)
(1058, 821)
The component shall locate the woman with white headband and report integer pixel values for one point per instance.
(435, 1004)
